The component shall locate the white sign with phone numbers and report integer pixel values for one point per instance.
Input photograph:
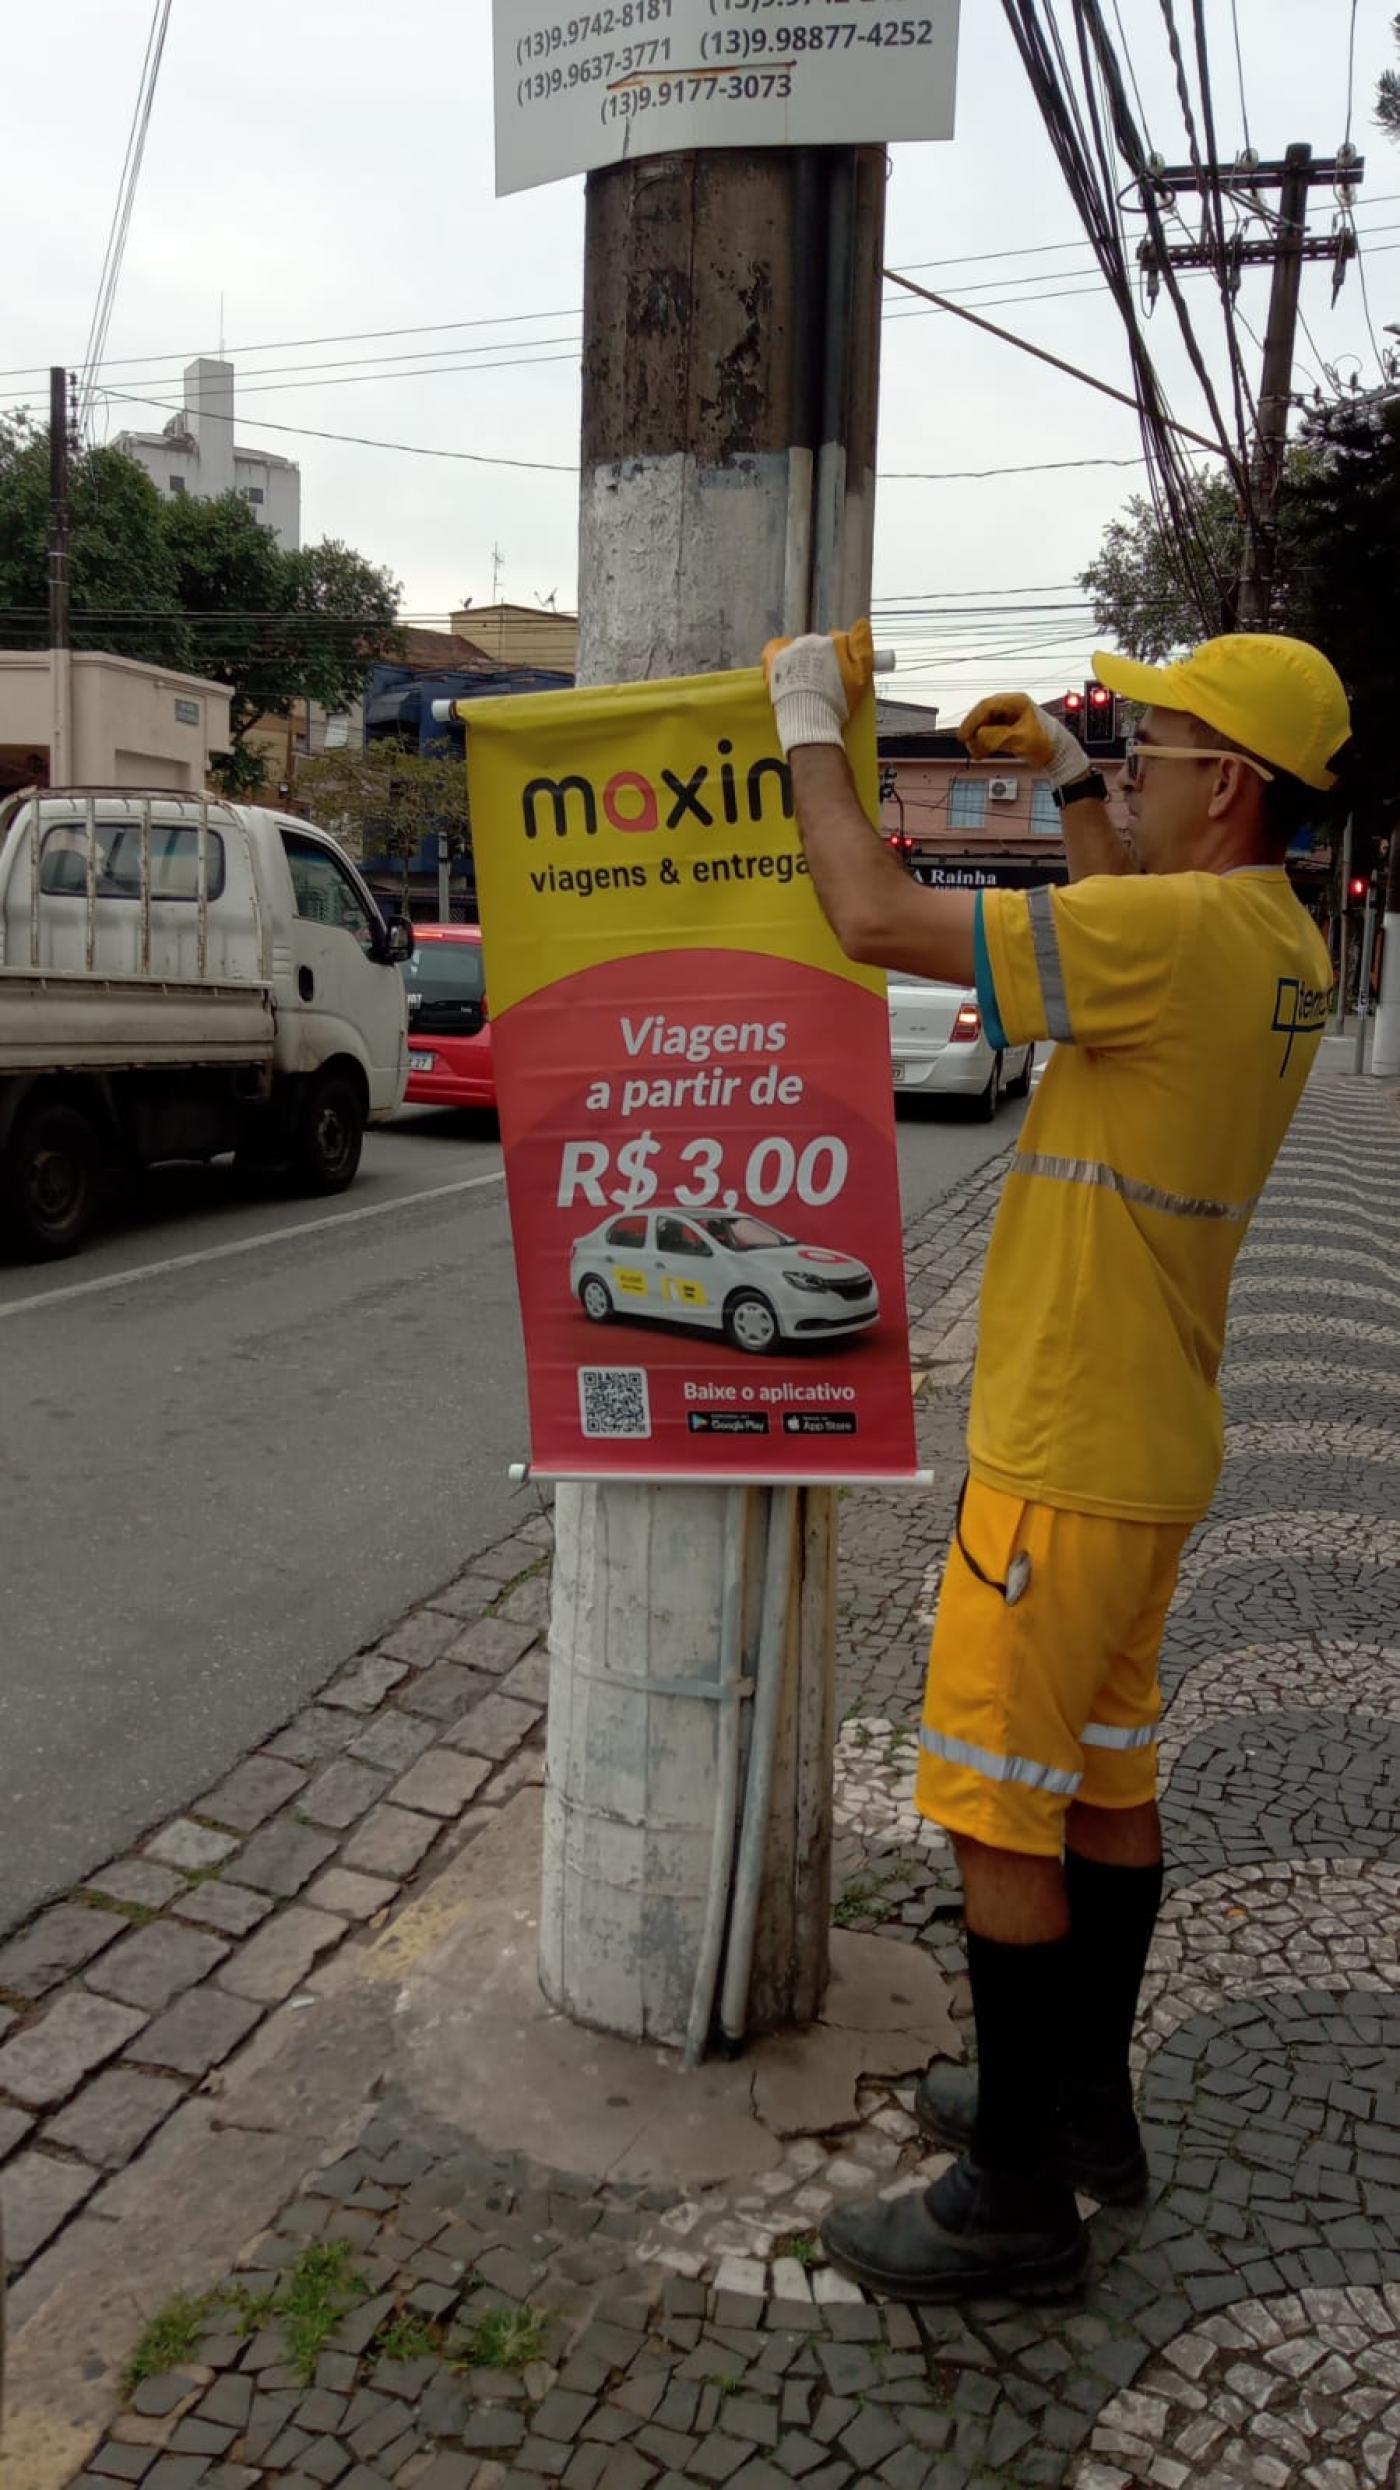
(580, 87)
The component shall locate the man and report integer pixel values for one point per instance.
(1185, 990)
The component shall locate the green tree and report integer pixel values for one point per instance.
(1137, 583)
(192, 584)
(120, 563)
(1388, 94)
(384, 801)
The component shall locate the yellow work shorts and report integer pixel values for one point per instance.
(1055, 1698)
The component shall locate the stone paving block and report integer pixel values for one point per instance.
(390, 1842)
(198, 2032)
(528, 1603)
(252, 1792)
(363, 1686)
(111, 2118)
(495, 1727)
(347, 1895)
(40, 2194)
(445, 1692)
(230, 1908)
(42, 2064)
(313, 1737)
(441, 1784)
(15, 2125)
(392, 1740)
(278, 1958)
(227, 2403)
(154, 1965)
(118, 2463)
(192, 2437)
(340, 1794)
(190, 1846)
(283, 1858)
(494, 1645)
(448, 2472)
(136, 1880)
(421, 1639)
(528, 1681)
(55, 1945)
(177, 2472)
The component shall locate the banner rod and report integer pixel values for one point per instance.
(522, 1473)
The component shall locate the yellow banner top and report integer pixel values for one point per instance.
(643, 817)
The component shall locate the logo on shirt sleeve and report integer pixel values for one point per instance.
(1299, 1011)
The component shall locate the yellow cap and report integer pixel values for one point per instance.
(1281, 699)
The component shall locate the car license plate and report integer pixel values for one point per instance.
(898, 1070)
(420, 1063)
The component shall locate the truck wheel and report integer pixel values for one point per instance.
(330, 1134)
(50, 1181)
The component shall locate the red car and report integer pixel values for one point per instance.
(449, 1033)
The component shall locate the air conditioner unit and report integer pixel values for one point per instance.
(1003, 790)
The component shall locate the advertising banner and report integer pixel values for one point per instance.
(577, 87)
(695, 1095)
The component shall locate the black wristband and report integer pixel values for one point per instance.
(1093, 785)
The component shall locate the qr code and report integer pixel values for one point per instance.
(613, 1400)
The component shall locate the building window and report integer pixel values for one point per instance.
(253, 492)
(1045, 812)
(177, 484)
(967, 804)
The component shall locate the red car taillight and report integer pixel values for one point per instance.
(967, 1027)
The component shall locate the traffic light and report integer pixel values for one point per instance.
(1100, 714)
(1357, 888)
(1073, 707)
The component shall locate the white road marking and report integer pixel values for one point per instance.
(241, 1245)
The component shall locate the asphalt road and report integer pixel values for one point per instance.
(238, 1438)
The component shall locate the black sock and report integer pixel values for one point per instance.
(1018, 2004)
(1112, 1913)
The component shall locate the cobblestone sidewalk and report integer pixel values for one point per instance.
(504, 2324)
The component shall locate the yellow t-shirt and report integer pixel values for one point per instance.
(1187, 1010)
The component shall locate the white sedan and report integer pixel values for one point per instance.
(939, 1047)
(721, 1271)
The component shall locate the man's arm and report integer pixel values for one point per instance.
(877, 913)
(1009, 727)
(1092, 845)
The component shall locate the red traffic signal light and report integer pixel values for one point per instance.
(1356, 887)
(1073, 707)
(1101, 713)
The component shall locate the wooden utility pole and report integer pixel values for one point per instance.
(729, 419)
(61, 770)
(1286, 249)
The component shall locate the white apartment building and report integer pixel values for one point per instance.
(197, 453)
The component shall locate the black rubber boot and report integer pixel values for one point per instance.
(1106, 2159)
(1003, 2221)
(1013, 2236)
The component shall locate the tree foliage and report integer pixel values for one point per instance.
(1388, 94)
(197, 585)
(1338, 578)
(385, 800)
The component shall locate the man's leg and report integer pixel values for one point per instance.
(1113, 1883)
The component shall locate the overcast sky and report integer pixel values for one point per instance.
(325, 167)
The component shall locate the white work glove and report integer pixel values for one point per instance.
(1009, 727)
(817, 682)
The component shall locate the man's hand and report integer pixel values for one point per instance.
(817, 683)
(1010, 727)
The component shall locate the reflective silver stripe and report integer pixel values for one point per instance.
(1112, 1180)
(1000, 1767)
(1050, 966)
(1128, 1741)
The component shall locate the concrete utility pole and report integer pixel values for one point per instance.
(1285, 251)
(729, 423)
(61, 770)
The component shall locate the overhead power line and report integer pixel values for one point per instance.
(120, 226)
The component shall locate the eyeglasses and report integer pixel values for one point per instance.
(1136, 754)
